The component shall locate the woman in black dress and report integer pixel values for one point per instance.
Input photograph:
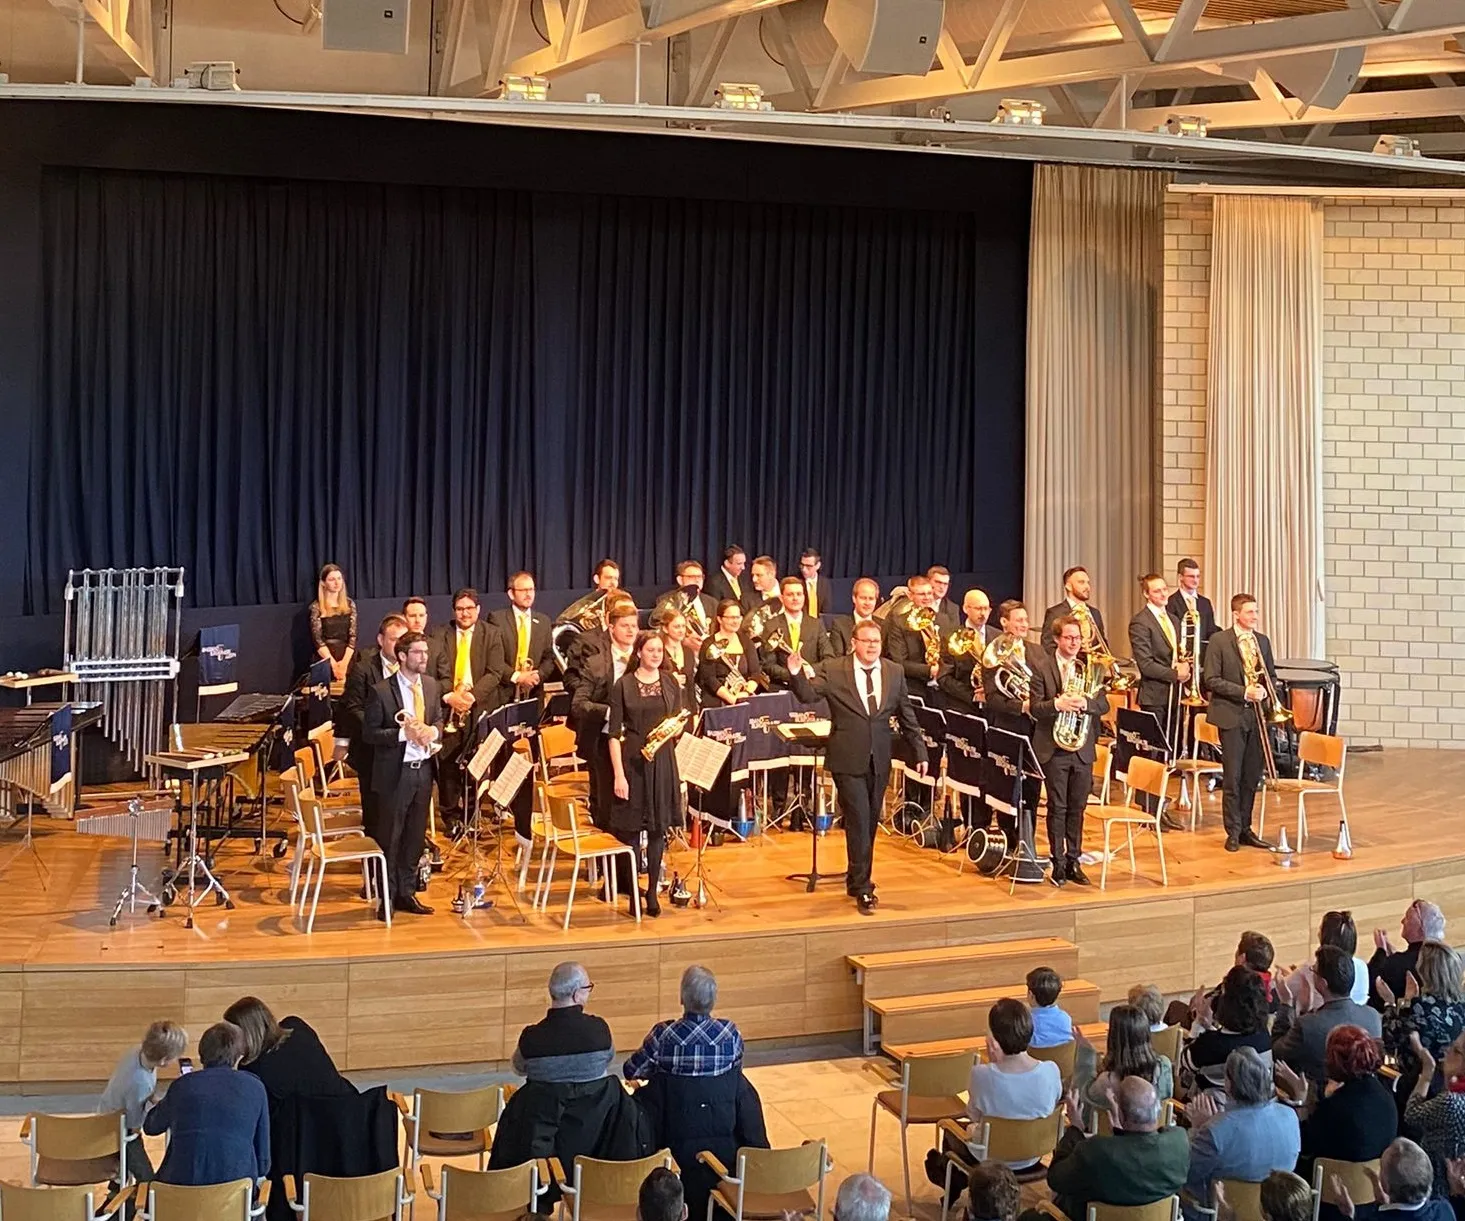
(648, 792)
(333, 621)
(727, 651)
(678, 658)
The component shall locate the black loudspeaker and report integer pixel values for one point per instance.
(897, 37)
(365, 25)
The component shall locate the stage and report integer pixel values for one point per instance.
(436, 991)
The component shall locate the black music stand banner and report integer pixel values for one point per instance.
(218, 656)
(966, 749)
(60, 745)
(1140, 733)
(749, 728)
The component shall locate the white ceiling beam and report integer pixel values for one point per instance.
(495, 20)
(1422, 66)
(111, 19)
(995, 43)
(949, 55)
(1355, 108)
(1371, 7)
(1129, 25)
(453, 25)
(836, 71)
(1115, 112)
(706, 74)
(1401, 14)
(574, 23)
(793, 62)
(1187, 16)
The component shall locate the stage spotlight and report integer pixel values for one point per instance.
(1019, 112)
(730, 96)
(1397, 146)
(1189, 125)
(516, 88)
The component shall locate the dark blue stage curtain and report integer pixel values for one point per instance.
(434, 386)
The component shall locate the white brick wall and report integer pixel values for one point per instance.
(1393, 451)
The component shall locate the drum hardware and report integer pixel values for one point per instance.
(1343, 849)
(1283, 851)
(197, 770)
(148, 818)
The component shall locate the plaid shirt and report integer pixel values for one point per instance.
(695, 1045)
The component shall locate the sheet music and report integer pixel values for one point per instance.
(485, 754)
(501, 792)
(701, 760)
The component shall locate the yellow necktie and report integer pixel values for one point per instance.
(460, 665)
(1169, 631)
(813, 599)
(793, 635)
(736, 587)
(521, 658)
(418, 710)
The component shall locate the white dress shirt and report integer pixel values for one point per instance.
(414, 753)
(862, 686)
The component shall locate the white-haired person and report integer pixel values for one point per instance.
(1423, 921)
(862, 1197)
(567, 1044)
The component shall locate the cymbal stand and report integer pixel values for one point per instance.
(27, 845)
(134, 890)
(702, 894)
(194, 862)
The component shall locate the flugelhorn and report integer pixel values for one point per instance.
(663, 732)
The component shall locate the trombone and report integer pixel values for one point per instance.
(1097, 649)
(1269, 711)
(1185, 697)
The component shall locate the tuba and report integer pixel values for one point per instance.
(1013, 678)
(583, 615)
(1071, 729)
(663, 732)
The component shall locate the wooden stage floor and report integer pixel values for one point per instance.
(436, 991)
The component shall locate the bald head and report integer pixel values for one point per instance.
(1139, 1105)
(977, 607)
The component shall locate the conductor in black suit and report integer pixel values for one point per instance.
(1068, 773)
(368, 668)
(1233, 711)
(401, 771)
(863, 692)
(1189, 597)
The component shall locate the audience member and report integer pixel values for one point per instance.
(661, 1198)
(133, 1087)
(1128, 1052)
(1301, 1040)
(862, 1197)
(1254, 1135)
(1354, 1117)
(1298, 985)
(286, 1055)
(695, 1044)
(991, 1193)
(1150, 1001)
(1139, 1164)
(1422, 922)
(1236, 1018)
(1052, 1027)
(567, 1044)
(1404, 1184)
(217, 1119)
(1438, 1122)
(1286, 1197)
(1254, 951)
(1433, 1007)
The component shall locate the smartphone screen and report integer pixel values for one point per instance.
(185, 1065)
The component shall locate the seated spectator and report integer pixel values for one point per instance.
(1297, 986)
(1127, 1053)
(1253, 950)
(660, 1198)
(133, 1088)
(568, 1044)
(1237, 1018)
(1439, 1122)
(695, 1044)
(1404, 1184)
(1150, 1001)
(1139, 1164)
(1254, 1135)
(991, 1193)
(862, 1197)
(1052, 1027)
(1354, 1117)
(1422, 922)
(217, 1119)
(1301, 1041)
(1433, 1007)
(1286, 1197)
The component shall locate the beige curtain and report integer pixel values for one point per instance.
(1264, 416)
(1093, 300)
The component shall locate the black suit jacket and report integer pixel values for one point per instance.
(1007, 713)
(673, 601)
(348, 711)
(1154, 657)
(1048, 686)
(1056, 612)
(590, 703)
(1224, 678)
(955, 680)
(908, 650)
(381, 731)
(686, 676)
(712, 672)
(858, 741)
(842, 634)
(1203, 607)
(485, 661)
(814, 647)
(541, 649)
(826, 597)
(721, 589)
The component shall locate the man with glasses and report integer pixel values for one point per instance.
(466, 665)
(525, 643)
(567, 1045)
(960, 681)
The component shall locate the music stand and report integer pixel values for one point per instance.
(699, 762)
(810, 732)
(500, 792)
(1021, 863)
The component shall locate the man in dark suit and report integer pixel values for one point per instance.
(907, 647)
(1068, 771)
(1003, 710)
(594, 671)
(1301, 1041)
(368, 668)
(1233, 710)
(466, 661)
(401, 770)
(688, 597)
(863, 692)
(1077, 590)
(816, 589)
(525, 643)
(946, 616)
(729, 584)
(960, 679)
(792, 628)
(1154, 638)
(1188, 597)
(866, 597)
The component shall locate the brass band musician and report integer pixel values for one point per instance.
(913, 636)
(467, 662)
(688, 597)
(1155, 641)
(728, 669)
(1078, 588)
(792, 630)
(961, 652)
(865, 597)
(1188, 597)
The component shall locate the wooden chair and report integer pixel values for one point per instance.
(541, 829)
(606, 1191)
(330, 758)
(1319, 750)
(1190, 770)
(1062, 1054)
(1167, 1043)
(1003, 1140)
(57, 1203)
(336, 824)
(323, 850)
(450, 1124)
(487, 1195)
(1243, 1199)
(372, 1197)
(76, 1150)
(771, 1183)
(308, 772)
(1103, 771)
(557, 758)
(929, 1092)
(1144, 776)
(1167, 1209)
(1354, 1176)
(583, 848)
(221, 1202)
(1103, 1122)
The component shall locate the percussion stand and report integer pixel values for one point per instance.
(134, 889)
(702, 893)
(194, 862)
(27, 845)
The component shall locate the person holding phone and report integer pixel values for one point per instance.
(133, 1087)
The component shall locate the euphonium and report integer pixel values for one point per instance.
(734, 684)
(663, 732)
(1013, 678)
(1096, 648)
(1071, 729)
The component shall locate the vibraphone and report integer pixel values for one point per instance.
(26, 744)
